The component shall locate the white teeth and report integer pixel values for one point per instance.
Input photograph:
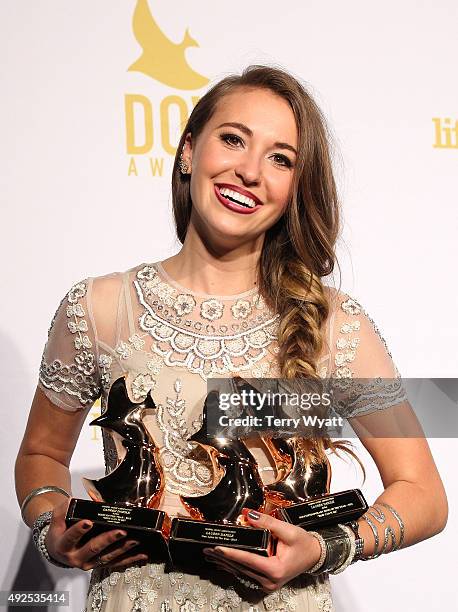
(234, 195)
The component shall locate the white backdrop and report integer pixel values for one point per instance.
(76, 202)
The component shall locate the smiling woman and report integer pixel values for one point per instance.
(245, 156)
(257, 213)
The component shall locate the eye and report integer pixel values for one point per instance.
(282, 160)
(231, 139)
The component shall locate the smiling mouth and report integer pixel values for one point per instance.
(236, 197)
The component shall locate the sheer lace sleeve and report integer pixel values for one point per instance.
(69, 374)
(362, 366)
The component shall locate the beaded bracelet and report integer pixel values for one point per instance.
(39, 530)
(322, 544)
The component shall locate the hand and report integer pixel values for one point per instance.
(296, 552)
(63, 544)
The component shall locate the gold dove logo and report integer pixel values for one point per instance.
(161, 59)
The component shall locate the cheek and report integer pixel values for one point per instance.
(281, 192)
(212, 160)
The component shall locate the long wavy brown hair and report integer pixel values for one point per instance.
(299, 250)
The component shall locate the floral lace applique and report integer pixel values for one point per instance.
(150, 587)
(205, 345)
(211, 310)
(322, 593)
(137, 342)
(142, 385)
(143, 585)
(347, 345)
(202, 595)
(105, 362)
(187, 468)
(155, 364)
(124, 350)
(79, 378)
(281, 600)
(225, 599)
(241, 309)
(365, 396)
(184, 304)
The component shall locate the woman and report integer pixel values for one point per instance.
(256, 211)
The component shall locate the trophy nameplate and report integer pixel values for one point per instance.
(189, 537)
(148, 526)
(330, 509)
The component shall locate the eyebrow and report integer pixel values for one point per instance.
(246, 130)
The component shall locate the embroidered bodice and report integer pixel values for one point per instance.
(209, 335)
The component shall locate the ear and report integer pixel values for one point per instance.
(187, 150)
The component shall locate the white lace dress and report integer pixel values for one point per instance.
(167, 340)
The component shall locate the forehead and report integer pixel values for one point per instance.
(261, 110)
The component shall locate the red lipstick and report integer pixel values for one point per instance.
(243, 210)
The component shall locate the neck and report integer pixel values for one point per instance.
(213, 271)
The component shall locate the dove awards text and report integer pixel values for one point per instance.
(151, 126)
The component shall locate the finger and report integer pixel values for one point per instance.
(118, 563)
(116, 555)
(140, 558)
(235, 568)
(107, 556)
(96, 545)
(281, 529)
(252, 561)
(71, 536)
(239, 570)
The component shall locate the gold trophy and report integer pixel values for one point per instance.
(128, 496)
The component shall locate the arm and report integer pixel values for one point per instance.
(393, 437)
(68, 386)
(45, 453)
(412, 484)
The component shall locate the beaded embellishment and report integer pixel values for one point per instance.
(79, 378)
(204, 346)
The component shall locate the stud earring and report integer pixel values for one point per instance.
(184, 168)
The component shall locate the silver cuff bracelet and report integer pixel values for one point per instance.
(39, 491)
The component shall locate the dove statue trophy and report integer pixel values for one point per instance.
(216, 518)
(128, 496)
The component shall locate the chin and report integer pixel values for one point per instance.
(230, 237)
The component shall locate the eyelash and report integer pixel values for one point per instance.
(286, 162)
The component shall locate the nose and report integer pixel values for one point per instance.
(249, 169)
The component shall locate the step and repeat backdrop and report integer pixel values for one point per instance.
(93, 97)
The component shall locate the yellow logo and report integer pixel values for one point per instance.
(153, 124)
(446, 133)
(162, 59)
